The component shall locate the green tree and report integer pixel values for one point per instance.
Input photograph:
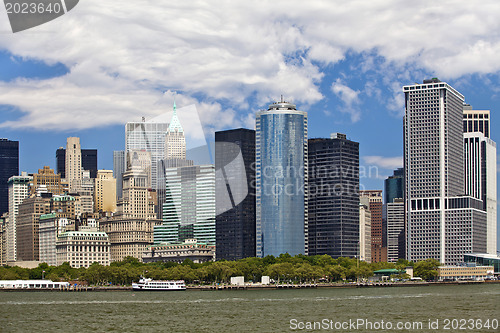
(426, 269)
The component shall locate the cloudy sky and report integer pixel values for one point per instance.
(108, 62)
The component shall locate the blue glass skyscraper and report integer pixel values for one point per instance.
(281, 180)
(394, 186)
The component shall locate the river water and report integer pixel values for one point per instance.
(340, 310)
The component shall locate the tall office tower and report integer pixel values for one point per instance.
(137, 201)
(395, 221)
(89, 161)
(4, 220)
(235, 194)
(61, 162)
(442, 223)
(9, 166)
(476, 121)
(189, 209)
(175, 157)
(18, 191)
(281, 180)
(480, 168)
(365, 238)
(85, 196)
(394, 186)
(47, 180)
(175, 141)
(148, 136)
(50, 226)
(334, 196)
(119, 167)
(105, 192)
(373, 200)
(73, 161)
(27, 225)
(140, 160)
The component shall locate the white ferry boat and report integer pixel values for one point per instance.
(152, 285)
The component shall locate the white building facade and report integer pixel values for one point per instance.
(480, 153)
(148, 136)
(82, 248)
(18, 191)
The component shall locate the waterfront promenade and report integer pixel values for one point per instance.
(83, 288)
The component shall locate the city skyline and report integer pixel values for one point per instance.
(349, 81)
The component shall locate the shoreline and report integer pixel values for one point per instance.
(269, 287)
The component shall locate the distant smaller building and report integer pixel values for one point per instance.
(178, 252)
(385, 274)
(455, 273)
(32, 284)
(238, 280)
(82, 248)
(484, 259)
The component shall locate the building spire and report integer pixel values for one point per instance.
(175, 124)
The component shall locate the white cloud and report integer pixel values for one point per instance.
(122, 54)
(349, 97)
(384, 162)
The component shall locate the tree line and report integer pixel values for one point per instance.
(282, 269)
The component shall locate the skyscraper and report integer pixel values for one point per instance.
(119, 167)
(175, 157)
(148, 136)
(18, 191)
(235, 225)
(442, 223)
(480, 154)
(334, 221)
(137, 201)
(476, 121)
(140, 160)
(189, 208)
(281, 180)
(9, 166)
(27, 225)
(373, 200)
(175, 140)
(73, 161)
(394, 186)
(105, 192)
(365, 238)
(395, 220)
(89, 161)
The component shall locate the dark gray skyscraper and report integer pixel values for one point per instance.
(333, 204)
(235, 228)
(89, 161)
(119, 168)
(9, 166)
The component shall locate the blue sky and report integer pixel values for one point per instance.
(88, 72)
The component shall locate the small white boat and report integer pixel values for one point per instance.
(158, 285)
